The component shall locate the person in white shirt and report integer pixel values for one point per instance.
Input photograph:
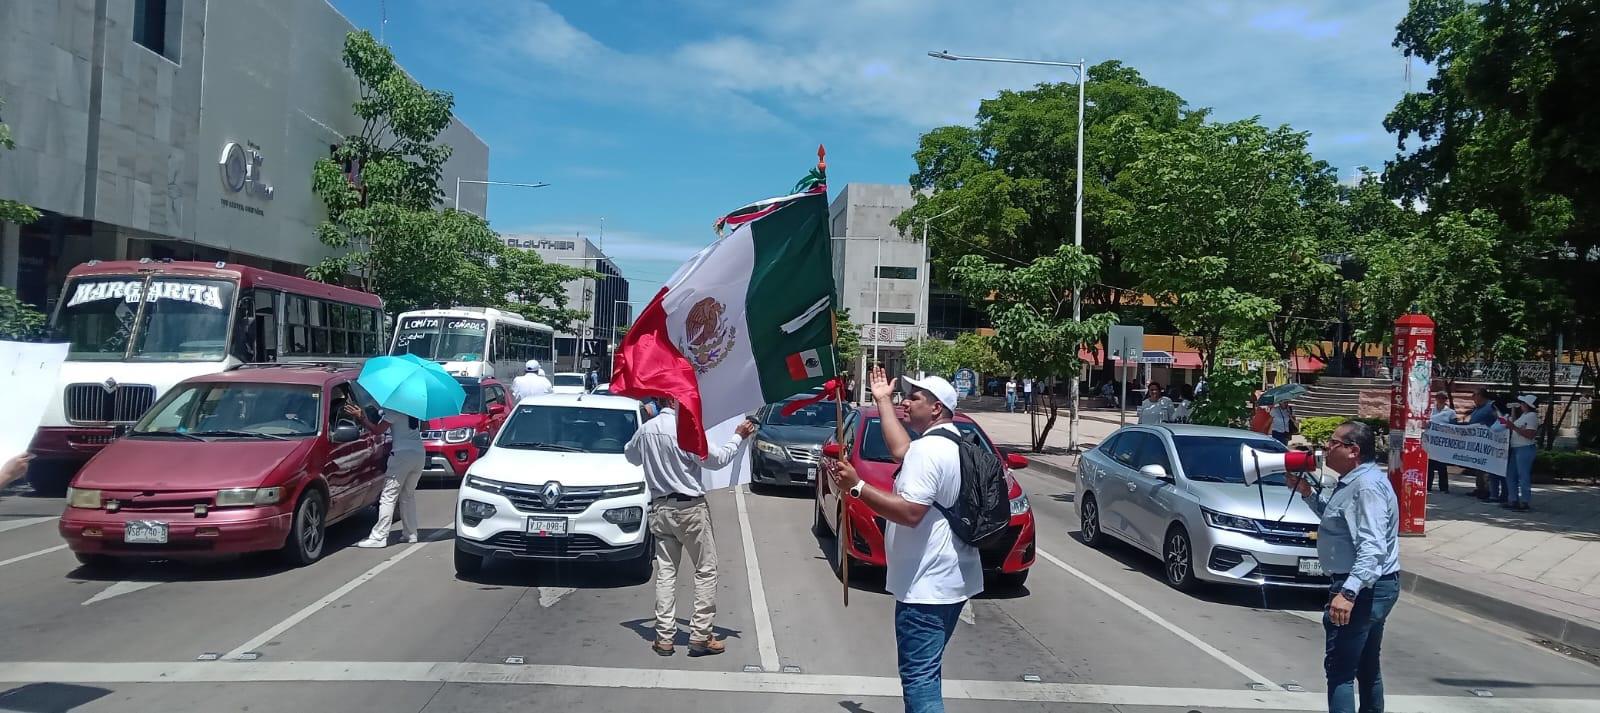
(1027, 393)
(531, 383)
(931, 573)
(1011, 396)
(1519, 465)
(1440, 413)
(1155, 408)
(399, 480)
(1283, 426)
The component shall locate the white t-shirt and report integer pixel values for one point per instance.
(1159, 411)
(1027, 386)
(1526, 420)
(927, 563)
(1011, 387)
(529, 385)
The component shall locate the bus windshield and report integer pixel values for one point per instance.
(442, 338)
(184, 318)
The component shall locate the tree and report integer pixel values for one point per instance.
(849, 341)
(1221, 222)
(1031, 308)
(969, 350)
(18, 320)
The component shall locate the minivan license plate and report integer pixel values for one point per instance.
(547, 526)
(145, 532)
(1311, 566)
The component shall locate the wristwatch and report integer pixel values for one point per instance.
(855, 490)
(1349, 594)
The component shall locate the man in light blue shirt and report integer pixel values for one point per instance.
(1359, 545)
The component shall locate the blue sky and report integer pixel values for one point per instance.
(658, 117)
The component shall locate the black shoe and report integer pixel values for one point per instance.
(1523, 507)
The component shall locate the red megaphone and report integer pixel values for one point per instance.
(1255, 463)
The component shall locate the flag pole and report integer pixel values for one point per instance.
(838, 421)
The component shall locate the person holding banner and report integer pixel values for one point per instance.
(1442, 413)
(1483, 414)
(1519, 467)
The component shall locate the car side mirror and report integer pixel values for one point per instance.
(481, 442)
(345, 432)
(497, 408)
(1154, 470)
(1015, 461)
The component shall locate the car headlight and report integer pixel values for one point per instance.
(1019, 504)
(1224, 521)
(458, 435)
(624, 516)
(80, 498)
(484, 484)
(476, 511)
(771, 449)
(247, 497)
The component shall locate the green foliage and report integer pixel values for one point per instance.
(12, 211)
(385, 223)
(1581, 464)
(1031, 309)
(1589, 430)
(849, 340)
(969, 350)
(1226, 401)
(1318, 429)
(18, 321)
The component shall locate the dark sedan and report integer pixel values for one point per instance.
(787, 448)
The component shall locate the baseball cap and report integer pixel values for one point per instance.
(533, 365)
(1528, 399)
(941, 389)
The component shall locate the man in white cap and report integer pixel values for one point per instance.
(532, 383)
(932, 573)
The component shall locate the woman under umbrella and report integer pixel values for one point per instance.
(410, 390)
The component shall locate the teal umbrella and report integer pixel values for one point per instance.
(1280, 394)
(413, 386)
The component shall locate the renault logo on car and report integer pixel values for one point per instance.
(551, 494)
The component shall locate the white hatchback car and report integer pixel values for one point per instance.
(566, 382)
(555, 486)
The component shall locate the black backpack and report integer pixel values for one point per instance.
(983, 509)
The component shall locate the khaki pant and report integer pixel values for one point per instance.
(684, 527)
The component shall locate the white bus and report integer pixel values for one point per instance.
(474, 342)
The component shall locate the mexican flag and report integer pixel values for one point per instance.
(745, 322)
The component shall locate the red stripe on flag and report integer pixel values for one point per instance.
(648, 364)
(797, 367)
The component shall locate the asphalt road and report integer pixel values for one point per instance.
(394, 630)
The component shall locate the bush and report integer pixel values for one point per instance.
(1317, 429)
(1227, 399)
(1589, 430)
(19, 321)
(1572, 464)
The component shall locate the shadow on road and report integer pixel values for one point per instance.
(49, 697)
(1270, 598)
(646, 629)
(577, 575)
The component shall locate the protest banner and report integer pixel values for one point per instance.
(28, 379)
(1468, 446)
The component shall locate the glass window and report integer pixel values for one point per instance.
(185, 319)
(234, 410)
(369, 344)
(1215, 459)
(822, 415)
(337, 343)
(299, 340)
(150, 25)
(295, 310)
(567, 380)
(560, 428)
(1127, 448)
(1153, 452)
(897, 273)
(443, 338)
(896, 318)
(475, 395)
(319, 340)
(336, 316)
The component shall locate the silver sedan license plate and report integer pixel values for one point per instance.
(547, 526)
(145, 532)
(1311, 566)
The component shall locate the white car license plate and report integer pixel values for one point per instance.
(547, 526)
(811, 474)
(145, 532)
(1311, 566)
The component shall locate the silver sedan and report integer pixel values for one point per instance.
(1178, 492)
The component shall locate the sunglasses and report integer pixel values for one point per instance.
(1336, 442)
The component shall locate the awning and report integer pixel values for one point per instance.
(1308, 363)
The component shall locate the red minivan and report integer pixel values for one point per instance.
(253, 459)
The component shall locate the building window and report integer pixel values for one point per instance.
(155, 26)
(896, 318)
(897, 273)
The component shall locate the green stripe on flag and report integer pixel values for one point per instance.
(792, 273)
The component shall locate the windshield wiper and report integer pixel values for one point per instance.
(1208, 478)
(241, 434)
(544, 447)
(164, 434)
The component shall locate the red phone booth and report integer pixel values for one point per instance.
(1411, 365)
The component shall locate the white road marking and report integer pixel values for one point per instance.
(765, 643)
(548, 596)
(1161, 621)
(118, 589)
(277, 629)
(32, 555)
(26, 672)
(8, 525)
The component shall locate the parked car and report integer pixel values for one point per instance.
(566, 382)
(602, 389)
(448, 440)
(1178, 492)
(554, 485)
(1007, 560)
(257, 458)
(787, 448)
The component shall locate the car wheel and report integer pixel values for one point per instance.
(96, 562)
(642, 567)
(1178, 560)
(819, 524)
(1089, 522)
(1012, 581)
(467, 564)
(308, 530)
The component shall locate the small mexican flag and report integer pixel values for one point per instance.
(744, 323)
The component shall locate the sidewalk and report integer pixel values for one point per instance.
(1536, 571)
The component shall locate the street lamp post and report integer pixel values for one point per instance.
(922, 298)
(1077, 212)
(459, 181)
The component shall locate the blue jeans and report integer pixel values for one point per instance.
(920, 634)
(1519, 475)
(1351, 660)
(1011, 402)
(1497, 486)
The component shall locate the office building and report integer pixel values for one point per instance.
(605, 300)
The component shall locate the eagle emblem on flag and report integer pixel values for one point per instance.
(708, 337)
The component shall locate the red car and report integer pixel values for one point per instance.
(448, 440)
(1008, 561)
(255, 458)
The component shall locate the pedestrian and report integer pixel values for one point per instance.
(1519, 466)
(1184, 410)
(532, 383)
(1283, 424)
(14, 469)
(1358, 543)
(400, 478)
(1027, 392)
(591, 380)
(1442, 413)
(931, 573)
(1484, 414)
(1108, 391)
(680, 521)
(1155, 408)
(1011, 395)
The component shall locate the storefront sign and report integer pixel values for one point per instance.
(130, 291)
(240, 166)
(1468, 446)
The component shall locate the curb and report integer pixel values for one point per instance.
(1537, 621)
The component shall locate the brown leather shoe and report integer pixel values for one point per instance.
(662, 647)
(708, 647)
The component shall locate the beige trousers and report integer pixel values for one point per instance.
(681, 527)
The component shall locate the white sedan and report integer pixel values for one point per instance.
(554, 486)
(566, 382)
